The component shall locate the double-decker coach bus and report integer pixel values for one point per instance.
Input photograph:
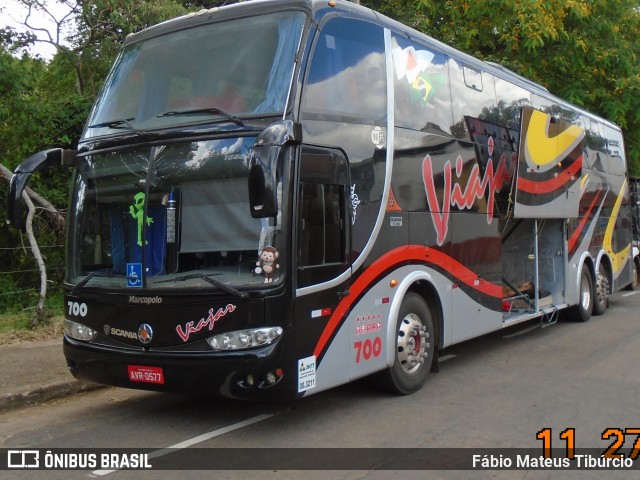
(274, 198)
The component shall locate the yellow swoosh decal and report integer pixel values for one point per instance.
(618, 259)
(544, 150)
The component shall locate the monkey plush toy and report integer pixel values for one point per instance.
(267, 264)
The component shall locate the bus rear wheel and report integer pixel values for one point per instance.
(601, 297)
(415, 348)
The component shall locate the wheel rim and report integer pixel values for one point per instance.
(414, 343)
(585, 293)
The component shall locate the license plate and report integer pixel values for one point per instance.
(139, 373)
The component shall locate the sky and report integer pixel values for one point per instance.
(12, 12)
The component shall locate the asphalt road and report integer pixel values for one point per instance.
(495, 392)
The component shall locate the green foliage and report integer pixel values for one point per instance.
(7, 300)
(34, 114)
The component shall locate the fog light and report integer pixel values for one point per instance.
(271, 378)
(78, 331)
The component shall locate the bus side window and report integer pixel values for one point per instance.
(473, 95)
(321, 223)
(323, 218)
(422, 95)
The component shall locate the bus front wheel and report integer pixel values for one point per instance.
(415, 348)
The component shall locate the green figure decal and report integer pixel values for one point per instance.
(137, 212)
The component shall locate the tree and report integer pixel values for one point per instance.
(25, 127)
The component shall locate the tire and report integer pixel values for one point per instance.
(415, 349)
(582, 311)
(601, 297)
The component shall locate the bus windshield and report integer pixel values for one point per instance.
(219, 71)
(170, 217)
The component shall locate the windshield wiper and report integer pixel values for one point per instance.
(211, 110)
(96, 273)
(208, 279)
(126, 122)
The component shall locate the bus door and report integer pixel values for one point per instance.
(323, 242)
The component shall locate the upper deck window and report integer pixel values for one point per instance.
(242, 66)
(346, 80)
(422, 95)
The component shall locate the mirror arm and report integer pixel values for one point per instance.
(55, 157)
(263, 166)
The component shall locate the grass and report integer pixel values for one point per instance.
(14, 327)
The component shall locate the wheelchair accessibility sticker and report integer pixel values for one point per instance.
(134, 275)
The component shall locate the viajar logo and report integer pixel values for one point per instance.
(460, 195)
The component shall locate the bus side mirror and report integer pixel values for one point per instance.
(265, 168)
(55, 157)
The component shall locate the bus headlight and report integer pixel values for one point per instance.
(240, 339)
(78, 331)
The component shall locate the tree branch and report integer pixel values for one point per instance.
(39, 260)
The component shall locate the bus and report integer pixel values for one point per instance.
(271, 199)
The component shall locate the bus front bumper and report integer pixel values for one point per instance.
(258, 374)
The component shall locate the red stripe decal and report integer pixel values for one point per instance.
(552, 184)
(388, 261)
(578, 231)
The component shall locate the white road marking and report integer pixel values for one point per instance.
(195, 440)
